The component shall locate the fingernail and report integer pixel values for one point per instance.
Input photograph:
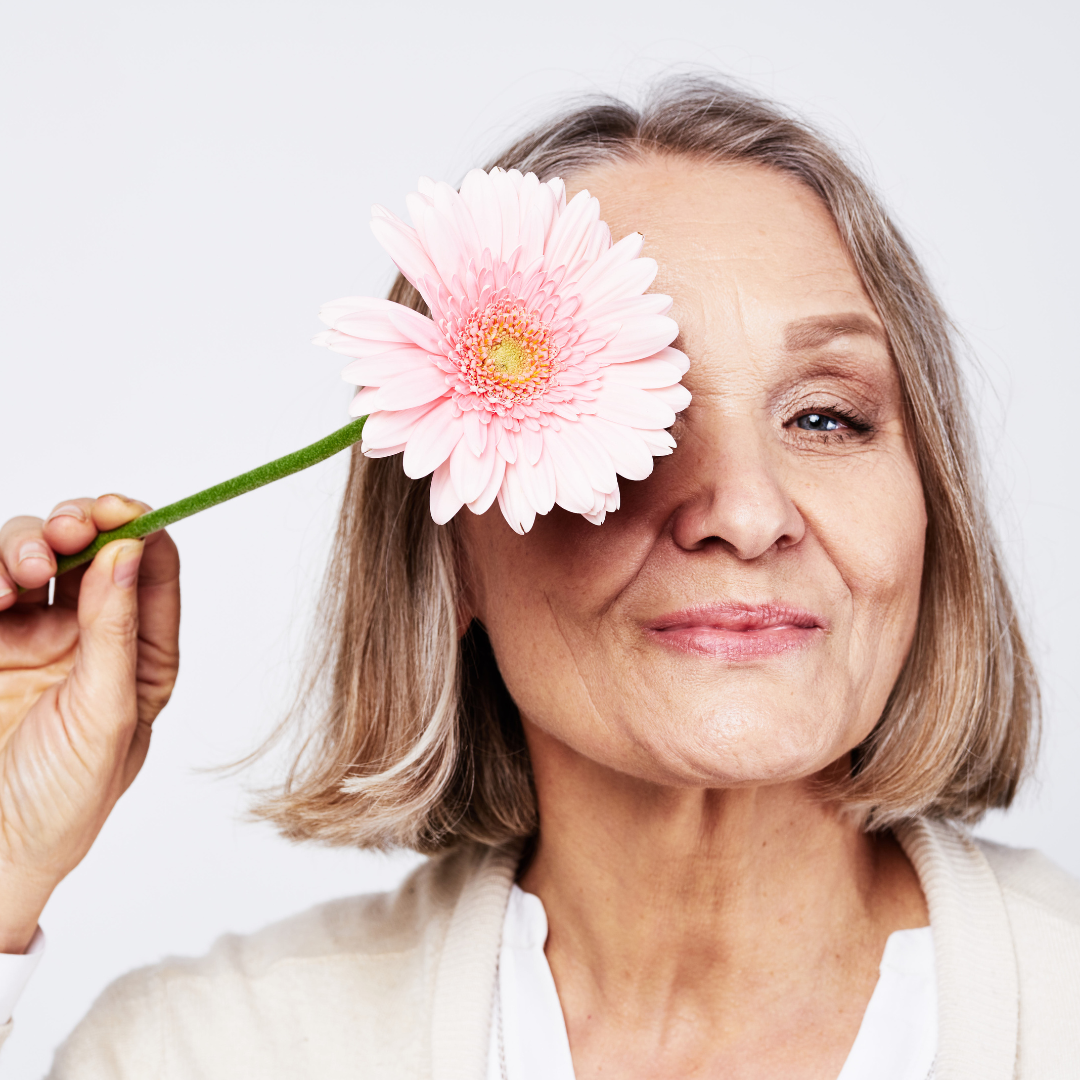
(69, 510)
(5, 589)
(126, 567)
(34, 550)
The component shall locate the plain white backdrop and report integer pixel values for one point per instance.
(184, 183)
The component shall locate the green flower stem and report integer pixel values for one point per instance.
(219, 493)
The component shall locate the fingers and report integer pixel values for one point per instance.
(26, 558)
(101, 685)
(28, 545)
(75, 523)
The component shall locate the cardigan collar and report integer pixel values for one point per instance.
(978, 983)
(978, 986)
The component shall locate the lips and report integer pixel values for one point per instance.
(737, 631)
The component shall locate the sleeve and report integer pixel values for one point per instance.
(15, 972)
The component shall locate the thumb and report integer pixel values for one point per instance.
(102, 681)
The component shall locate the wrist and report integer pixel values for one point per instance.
(21, 905)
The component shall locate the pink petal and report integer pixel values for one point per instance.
(443, 245)
(509, 211)
(455, 212)
(573, 491)
(444, 499)
(374, 319)
(480, 196)
(365, 402)
(677, 397)
(411, 388)
(385, 429)
(476, 433)
(375, 370)
(383, 451)
(532, 443)
(633, 407)
(482, 503)
(333, 310)
(572, 232)
(470, 473)
(631, 279)
(432, 442)
(648, 374)
(628, 453)
(658, 443)
(513, 504)
(537, 483)
(675, 357)
(403, 245)
(638, 338)
(620, 254)
(592, 457)
(416, 328)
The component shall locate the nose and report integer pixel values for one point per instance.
(738, 500)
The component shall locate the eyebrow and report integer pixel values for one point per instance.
(820, 330)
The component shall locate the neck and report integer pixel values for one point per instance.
(675, 902)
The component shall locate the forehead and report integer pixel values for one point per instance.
(736, 245)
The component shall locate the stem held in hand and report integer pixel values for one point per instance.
(219, 493)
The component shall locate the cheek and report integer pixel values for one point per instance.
(542, 598)
(878, 546)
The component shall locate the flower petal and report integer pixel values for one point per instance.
(479, 195)
(629, 454)
(375, 370)
(403, 245)
(472, 473)
(537, 483)
(635, 408)
(573, 491)
(571, 234)
(513, 504)
(433, 441)
(411, 388)
(444, 499)
(385, 429)
(482, 503)
(648, 374)
(365, 402)
(637, 339)
(630, 279)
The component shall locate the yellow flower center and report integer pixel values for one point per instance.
(505, 353)
(512, 358)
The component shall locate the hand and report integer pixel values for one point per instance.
(81, 681)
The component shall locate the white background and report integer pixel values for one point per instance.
(184, 183)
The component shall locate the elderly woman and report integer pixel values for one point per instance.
(693, 782)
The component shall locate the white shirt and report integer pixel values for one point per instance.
(897, 1039)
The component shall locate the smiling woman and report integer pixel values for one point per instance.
(692, 751)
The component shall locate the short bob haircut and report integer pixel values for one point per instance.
(407, 735)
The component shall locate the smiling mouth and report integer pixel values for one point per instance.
(738, 631)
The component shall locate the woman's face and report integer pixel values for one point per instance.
(744, 615)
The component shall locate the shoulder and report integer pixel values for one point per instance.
(1042, 903)
(1033, 886)
(345, 982)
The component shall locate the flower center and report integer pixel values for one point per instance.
(505, 353)
(512, 358)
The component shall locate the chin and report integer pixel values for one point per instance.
(743, 747)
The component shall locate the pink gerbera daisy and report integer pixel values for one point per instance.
(545, 370)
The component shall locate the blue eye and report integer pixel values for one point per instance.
(817, 422)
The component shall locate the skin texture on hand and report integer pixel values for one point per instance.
(81, 682)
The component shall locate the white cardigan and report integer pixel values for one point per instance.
(400, 985)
